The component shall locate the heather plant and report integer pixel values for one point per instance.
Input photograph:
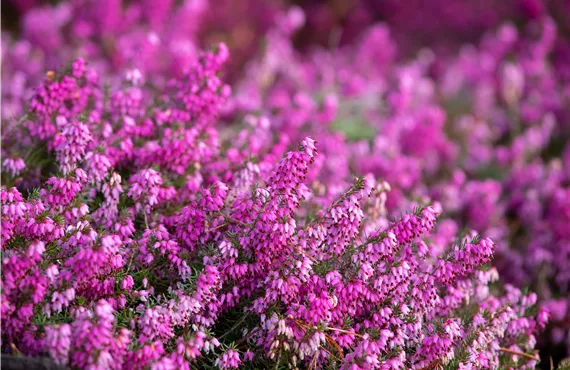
(324, 211)
(138, 234)
(485, 133)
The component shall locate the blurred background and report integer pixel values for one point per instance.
(444, 25)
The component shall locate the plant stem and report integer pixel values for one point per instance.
(511, 351)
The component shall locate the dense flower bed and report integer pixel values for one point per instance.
(485, 133)
(335, 208)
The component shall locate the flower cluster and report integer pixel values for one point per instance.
(483, 132)
(323, 209)
(120, 260)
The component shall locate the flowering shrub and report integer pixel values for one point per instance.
(136, 236)
(485, 133)
(322, 212)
